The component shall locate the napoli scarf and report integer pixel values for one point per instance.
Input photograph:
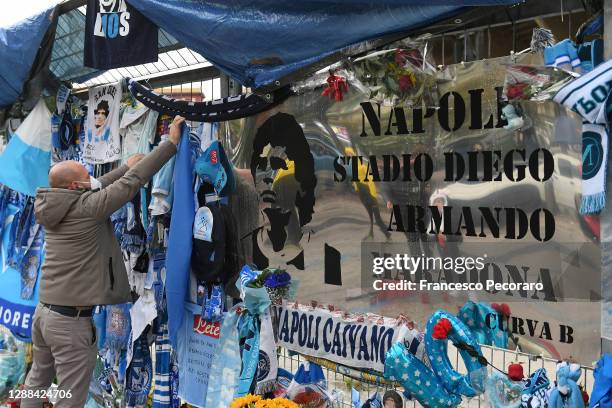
(589, 96)
(161, 394)
(267, 366)
(139, 375)
(249, 351)
(536, 389)
(594, 167)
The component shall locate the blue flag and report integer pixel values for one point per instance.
(26, 160)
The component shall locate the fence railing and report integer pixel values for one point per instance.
(500, 358)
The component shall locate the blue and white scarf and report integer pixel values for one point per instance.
(249, 351)
(139, 375)
(162, 397)
(590, 97)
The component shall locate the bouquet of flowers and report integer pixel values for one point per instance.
(255, 401)
(525, 82)
(276, 282)
(397, 74)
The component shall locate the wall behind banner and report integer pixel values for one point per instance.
(351, 218)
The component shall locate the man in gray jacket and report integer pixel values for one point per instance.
(83, 268)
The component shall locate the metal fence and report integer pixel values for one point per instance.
(500, 358)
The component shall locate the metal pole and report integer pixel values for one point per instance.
(225, 91)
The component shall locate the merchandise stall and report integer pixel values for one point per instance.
(351, 222)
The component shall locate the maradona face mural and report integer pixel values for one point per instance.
(407, 209)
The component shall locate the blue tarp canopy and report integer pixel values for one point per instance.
(19, 43)
(254, 42)
(258, 42)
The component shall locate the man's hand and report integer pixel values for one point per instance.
(175, 129)
(133, 159)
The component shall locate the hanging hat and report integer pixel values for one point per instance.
(214, 168)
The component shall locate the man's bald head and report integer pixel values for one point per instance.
(68, 174)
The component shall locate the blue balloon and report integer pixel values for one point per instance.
(437, 351)
(474, 315)
(418, 379)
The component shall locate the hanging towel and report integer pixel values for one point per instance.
(178, 256)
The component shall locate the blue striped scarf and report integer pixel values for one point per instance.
(162, 394)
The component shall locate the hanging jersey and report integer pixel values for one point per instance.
(102, 143)
(112, 28)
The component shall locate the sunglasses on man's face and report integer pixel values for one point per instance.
(101, 112)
